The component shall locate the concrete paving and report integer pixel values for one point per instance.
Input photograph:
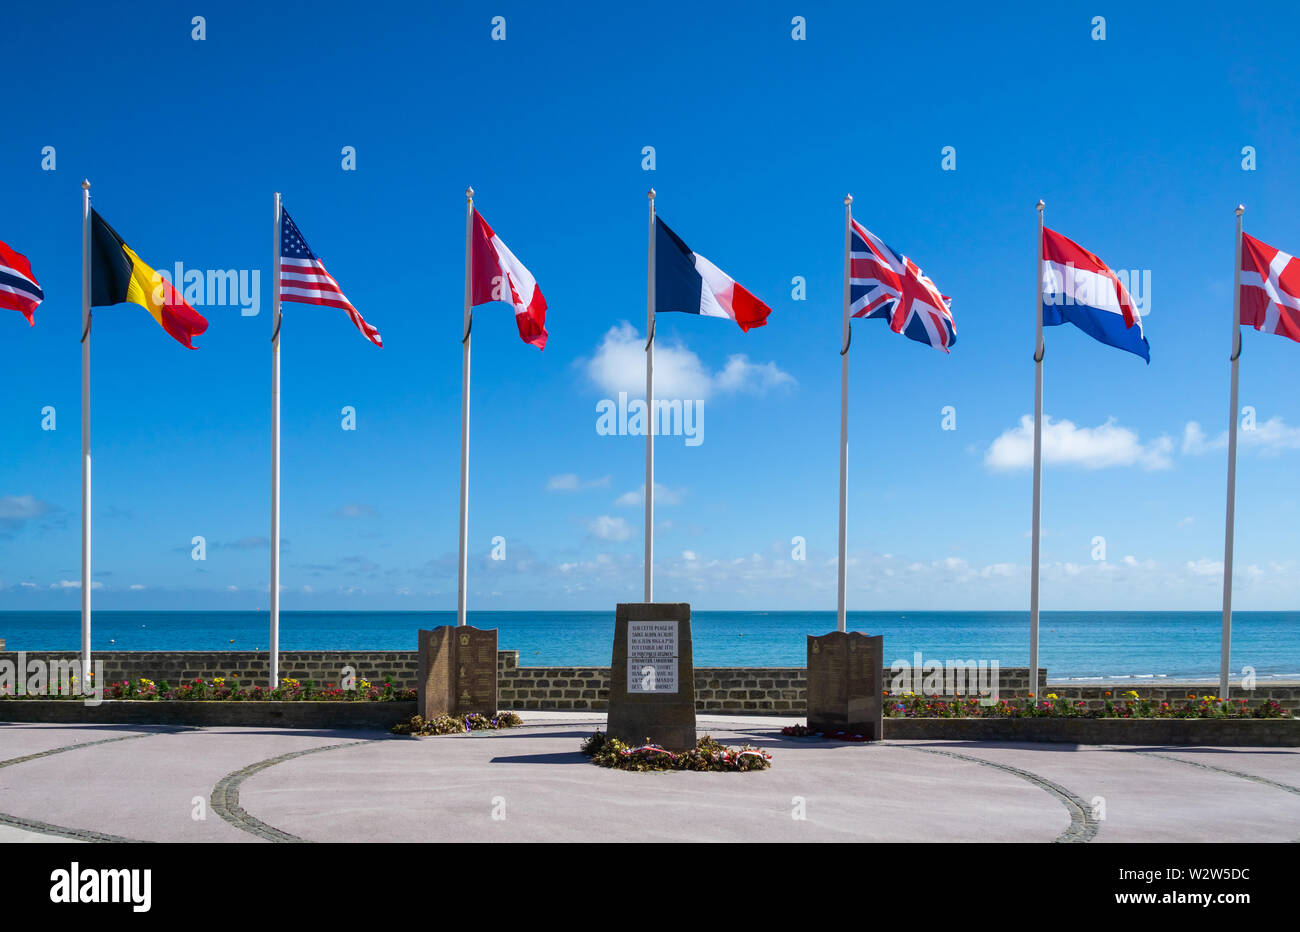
(531, 784)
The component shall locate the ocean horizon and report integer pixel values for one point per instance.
(1082, 646)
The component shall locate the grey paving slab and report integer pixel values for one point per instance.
(1147, 798)
(531, 783)
(449, 789)
(147, 789)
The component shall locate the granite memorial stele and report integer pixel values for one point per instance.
(652, 676)
(845, 669)
(457, 671)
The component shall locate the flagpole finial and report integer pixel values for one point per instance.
(469, 194)
(651, 194)
(1241, 209)
(848, 199)
(1040, 205)
(85, 184)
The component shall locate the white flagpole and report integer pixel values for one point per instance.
(464, 416)
(1038, 456)
(273, 649)
(85, 433)
(649, 408)
(844, 418)
(1230, 520)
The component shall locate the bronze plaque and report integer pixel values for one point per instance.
(652, 676)
(845, 670)
(457, 671)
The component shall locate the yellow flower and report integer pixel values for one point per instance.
(1053, 696)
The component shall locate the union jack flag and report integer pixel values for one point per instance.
(885, 284)
(303, 278)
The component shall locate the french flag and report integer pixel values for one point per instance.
(686, 281)
(1078, 288)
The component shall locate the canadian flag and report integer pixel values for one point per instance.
(496, 275)
(1270, 289)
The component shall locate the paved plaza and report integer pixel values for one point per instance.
(138, 783)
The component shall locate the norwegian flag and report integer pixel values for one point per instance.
(885, 284)
(303, 278)
(18, 288)
(1270, 289)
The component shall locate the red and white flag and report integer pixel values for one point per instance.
(1270, 289)
(18, 288)
(496, 275)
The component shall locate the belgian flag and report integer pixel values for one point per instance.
(117, 275)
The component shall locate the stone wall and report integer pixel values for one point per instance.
(754, 690)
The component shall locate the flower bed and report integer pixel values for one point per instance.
(1126, 705)
(707, 755)
(456, 725)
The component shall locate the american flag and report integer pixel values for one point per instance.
(885, 284)
(1270, 289)
(303, 278)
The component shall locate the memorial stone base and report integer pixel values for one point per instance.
(457, 671)
(652, 676)
(845, 670)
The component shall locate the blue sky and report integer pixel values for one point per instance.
(1134, 142)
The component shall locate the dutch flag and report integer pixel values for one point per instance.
(686, 281)
(1078, 288)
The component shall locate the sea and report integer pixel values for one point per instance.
(1073, 646)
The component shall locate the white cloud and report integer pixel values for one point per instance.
(571, 482)
(609, 528)
(663, 496)
(74, 584)
(1269, 438)
(741, 375)
(1088, 447)
(1205, 567)
(619, 366)
(355, 510)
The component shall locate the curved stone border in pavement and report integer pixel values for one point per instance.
(1083, 827)
(1253, 778)
(225, 795)
(74, 834)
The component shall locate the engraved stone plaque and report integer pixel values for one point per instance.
(845, 670)
(457, 671)
(652, 676)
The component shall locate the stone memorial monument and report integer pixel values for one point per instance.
(652, 676)
(457, 671)
(845, 670)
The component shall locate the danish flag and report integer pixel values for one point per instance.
(1270, 289)
(888, 285)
